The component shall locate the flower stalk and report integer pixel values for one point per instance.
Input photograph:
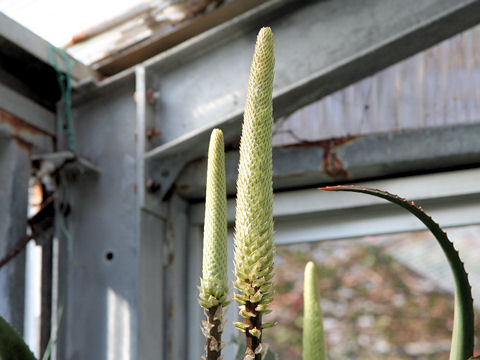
(253, 238)
(214, 282)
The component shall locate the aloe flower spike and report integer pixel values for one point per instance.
(313, 336)
(253, 239)
(214, 282)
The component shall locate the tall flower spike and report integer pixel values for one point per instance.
(254, 248)
(313, 336)
(214, 282)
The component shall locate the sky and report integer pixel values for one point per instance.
(58, 20)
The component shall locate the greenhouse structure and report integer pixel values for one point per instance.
(103, 146)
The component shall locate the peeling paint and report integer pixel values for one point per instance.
(22, 144)
(18, 125)
(331, 163)
(22, 132)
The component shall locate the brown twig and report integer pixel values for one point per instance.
(253, 342)
(214, 339)
(39, 223)
(19, 246)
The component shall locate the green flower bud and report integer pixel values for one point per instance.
(245, 313)
(254, 247)
(214, 284)
(268, 325)
(313, 336)
(240, 326)
(242, 299)
(255, 332)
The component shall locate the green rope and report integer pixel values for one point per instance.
(53, 335)
(64, 119)
(64, 124)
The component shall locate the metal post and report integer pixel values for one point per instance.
(14, 177)
(151, 227)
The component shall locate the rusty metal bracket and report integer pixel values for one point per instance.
(152, 133)
(163, 173)
(67, 162)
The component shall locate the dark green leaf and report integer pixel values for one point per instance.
(463, 327)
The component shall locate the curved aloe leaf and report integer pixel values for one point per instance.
(463, 325)
(12, 346)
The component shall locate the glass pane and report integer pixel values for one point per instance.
(383, 297)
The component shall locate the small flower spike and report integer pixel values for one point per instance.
(313, 336)
(214, 282)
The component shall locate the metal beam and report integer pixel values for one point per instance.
(14, 177)
(430, 189)
(99, 258)
(27, 110)
(26, 135)
(353, 159)
(35, 45)
(321, 46)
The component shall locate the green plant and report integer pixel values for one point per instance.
(313, 337)
(214, 283)
(463, 326)
(253, 239)
(12, 346)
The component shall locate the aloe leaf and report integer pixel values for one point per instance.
(268, 354)
(12, 346)
(240, 350)
(463, 324)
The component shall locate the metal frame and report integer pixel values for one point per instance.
(38, 47)
(25, 129)
(346, 52)
(383, 33)
(352, 159)
(14, 178)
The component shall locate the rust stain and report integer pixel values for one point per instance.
(78, 38)
(331, 162)
(289, 175)
(171, 253)
(322, 143)
(332, 165)
(22, 144)
(19, 125)
(152, 133)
